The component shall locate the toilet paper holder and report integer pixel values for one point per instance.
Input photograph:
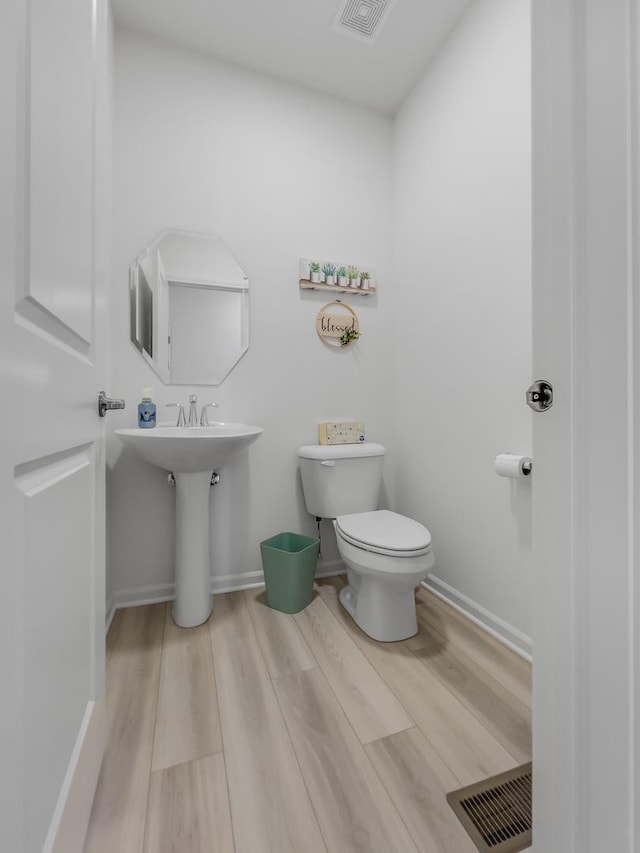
(513, 466)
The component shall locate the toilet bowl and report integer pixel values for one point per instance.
(387, 555)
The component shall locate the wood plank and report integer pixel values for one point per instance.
(353, 807)
(372, 709)
(502, 664)
(470, 751)
(458, 707)
(284, 648)
(187, 725)
(189, 809)
(499, 711)
(119, 808)
(270, 807)
(418, 780)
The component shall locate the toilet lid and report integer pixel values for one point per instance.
(385, 532)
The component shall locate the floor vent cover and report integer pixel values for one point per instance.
(362, 19)
(496, 813)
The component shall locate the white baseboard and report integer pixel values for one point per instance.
(158, 593)
(330, 568)
(152, 594)
(110, 611)
(494, 625)
(71, 816)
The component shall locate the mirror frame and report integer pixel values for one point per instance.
(149, 299)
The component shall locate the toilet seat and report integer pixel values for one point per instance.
(384, 532)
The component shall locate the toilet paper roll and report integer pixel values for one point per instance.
(513, 466)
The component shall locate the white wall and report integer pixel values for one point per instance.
(462, 270)
(278, 173)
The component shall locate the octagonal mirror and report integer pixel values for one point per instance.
(189, 301)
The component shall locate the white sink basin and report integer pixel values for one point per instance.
(189, 450)
(192, 453)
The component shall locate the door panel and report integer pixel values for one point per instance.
(53, 238)
(58, 518)
(61, 175)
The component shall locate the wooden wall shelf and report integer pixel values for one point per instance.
(334, 288)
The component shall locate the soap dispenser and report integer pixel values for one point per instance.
(147, 410)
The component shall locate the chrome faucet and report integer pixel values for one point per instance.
(193, 411)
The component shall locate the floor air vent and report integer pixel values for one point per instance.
(362, 19)
(496, 813)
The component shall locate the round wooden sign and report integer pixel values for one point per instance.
(337, 324)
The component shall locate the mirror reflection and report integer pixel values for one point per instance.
(189, 302)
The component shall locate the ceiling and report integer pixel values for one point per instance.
(294, 40)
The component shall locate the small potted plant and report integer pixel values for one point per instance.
(365, 278)
(329, 271)
(343, 279)
(354, 276)
(314, 272)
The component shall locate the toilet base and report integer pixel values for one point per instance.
(383, 613)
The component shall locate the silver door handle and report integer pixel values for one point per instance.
(106, 404)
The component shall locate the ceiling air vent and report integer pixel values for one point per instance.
(362, 19)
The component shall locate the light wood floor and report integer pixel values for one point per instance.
(267, 733)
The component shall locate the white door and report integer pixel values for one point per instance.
(53, 250)
(586, 340)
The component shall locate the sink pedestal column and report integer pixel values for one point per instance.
(193, 603)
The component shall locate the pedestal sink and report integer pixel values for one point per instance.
(192, 454)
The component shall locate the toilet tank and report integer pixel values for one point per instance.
(341, 479)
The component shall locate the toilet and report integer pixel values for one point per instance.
(387, 555)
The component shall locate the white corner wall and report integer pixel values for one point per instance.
(279, 173)
(462, 273)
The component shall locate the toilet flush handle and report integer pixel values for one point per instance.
(329, 463)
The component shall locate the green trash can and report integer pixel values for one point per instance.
(289, 564)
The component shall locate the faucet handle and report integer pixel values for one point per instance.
(181, 419)
(204, 420)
